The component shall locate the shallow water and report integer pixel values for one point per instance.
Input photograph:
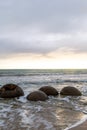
(57, 113)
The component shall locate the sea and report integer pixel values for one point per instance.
(56, 113)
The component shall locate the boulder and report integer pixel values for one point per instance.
(70, 91)
(11, 91)
(37, 96)
(49, 90)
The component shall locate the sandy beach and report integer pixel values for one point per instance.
(82, 126)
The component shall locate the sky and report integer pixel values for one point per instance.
(43, 34)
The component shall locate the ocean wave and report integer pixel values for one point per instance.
(30, 74)
(70, 81)
(27, 72)
(49, 81)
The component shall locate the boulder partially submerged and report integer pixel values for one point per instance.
(70, 91)
(37, 96)
(50, 91)
(11, 91)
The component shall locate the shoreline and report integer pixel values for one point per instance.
(80, 125)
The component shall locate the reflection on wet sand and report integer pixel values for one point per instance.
(68, 117)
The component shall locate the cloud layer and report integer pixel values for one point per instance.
(43, 26)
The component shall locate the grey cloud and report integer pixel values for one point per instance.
(78, 44)
(50, 16)
(63, 17)
(43, 46)
(8, 47)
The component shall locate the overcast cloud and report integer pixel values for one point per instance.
(42, 26)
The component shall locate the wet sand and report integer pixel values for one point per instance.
(82, 126)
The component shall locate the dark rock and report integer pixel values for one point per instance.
(70, 91)
(37, 96)
(11, 91)
(49, 90)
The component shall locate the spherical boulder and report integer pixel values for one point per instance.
(49, 90)
(37, 96)
(11, 91)
(70, 91)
